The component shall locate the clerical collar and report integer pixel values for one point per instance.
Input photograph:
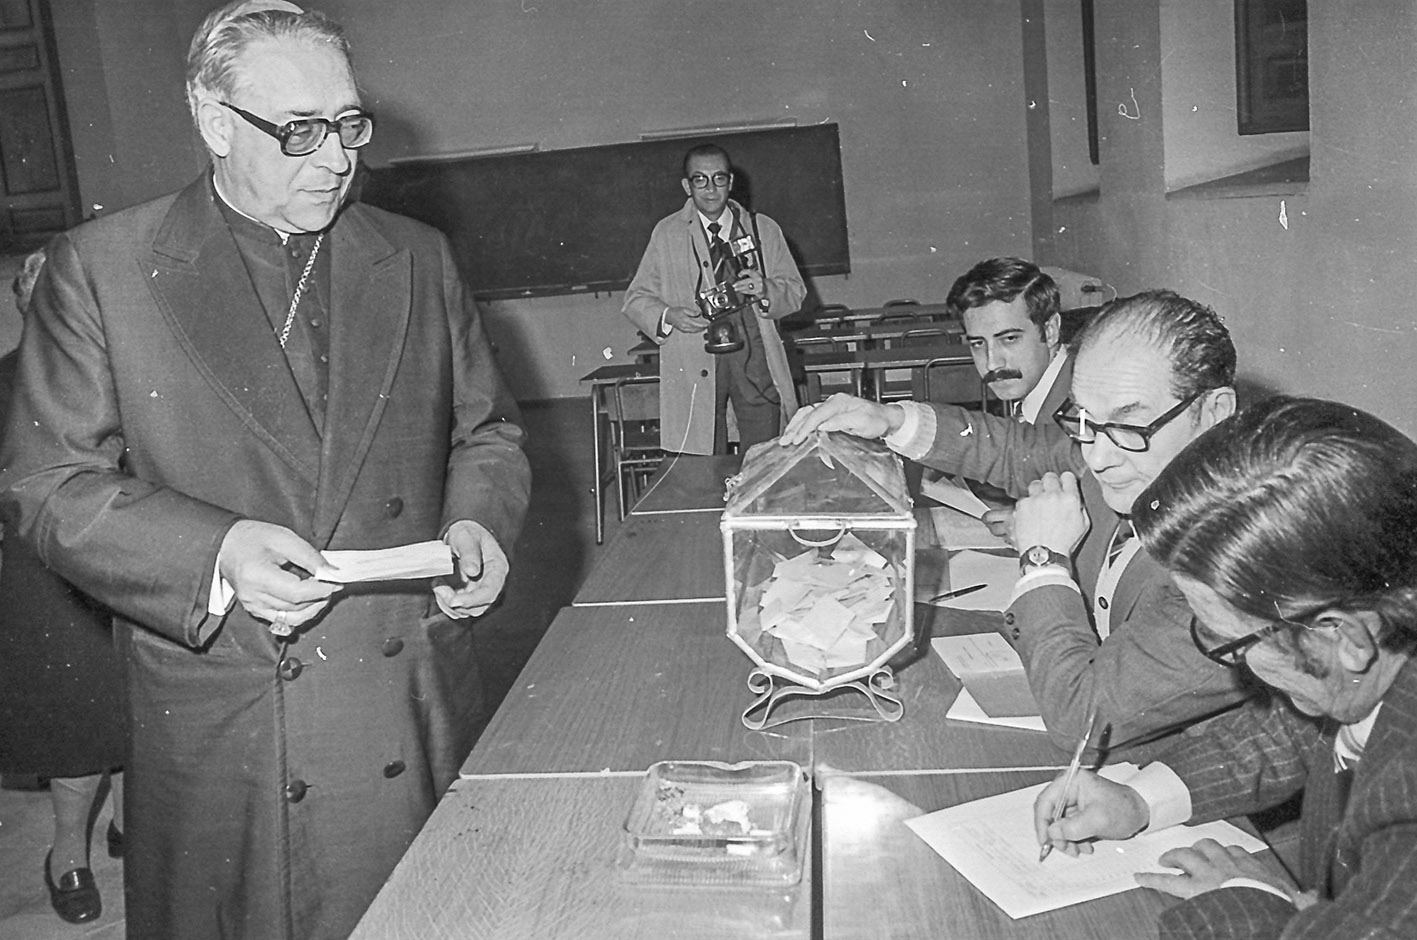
(247, 224)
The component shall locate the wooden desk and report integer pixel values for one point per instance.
(600, 380)
(619, 688)
(867, 314)
(659, 557)
(686, 484)
(880, 880)
(511, 858)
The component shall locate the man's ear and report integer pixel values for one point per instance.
(1052, 328)
(214, 122)
(1357, 637)
(688, 190)
(1218, 405)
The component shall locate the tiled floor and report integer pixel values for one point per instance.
(555, 551)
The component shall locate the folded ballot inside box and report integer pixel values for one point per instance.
(819, 545)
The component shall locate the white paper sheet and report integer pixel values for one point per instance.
(956, 529)
(951, 492)
(968, 567)
(991, 842)
(419, 560)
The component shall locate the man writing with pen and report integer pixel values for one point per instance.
(1292, 531)
(1101, 628)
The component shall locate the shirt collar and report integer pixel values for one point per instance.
(1033, 401)
(238, 219)
(724, 220)
(1350, 741)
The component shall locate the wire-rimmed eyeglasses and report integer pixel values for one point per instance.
(304, 136)
(701, 180)
(1131, 437)
(1232, 653)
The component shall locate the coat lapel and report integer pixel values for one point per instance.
(371, 292)
(201, 286)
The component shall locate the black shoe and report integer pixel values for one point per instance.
(115, 841)
(75, 898)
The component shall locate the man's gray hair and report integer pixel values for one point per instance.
(229, 30)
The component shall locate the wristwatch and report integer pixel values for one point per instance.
(1041, 556)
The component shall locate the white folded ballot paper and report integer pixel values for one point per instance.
(991, 842)
(419, 560)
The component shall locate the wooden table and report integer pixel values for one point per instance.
(517, 858)
(657, 557)
(600, 380)
(882, 882)
(619, 688)
(688, 484)
(525, 845)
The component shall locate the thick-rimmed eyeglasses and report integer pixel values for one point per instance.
(1232, 653)
(306, 135)
(1131, 437)
(701, 181)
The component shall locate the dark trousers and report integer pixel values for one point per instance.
(743, 378)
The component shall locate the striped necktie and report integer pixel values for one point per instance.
(717, 249)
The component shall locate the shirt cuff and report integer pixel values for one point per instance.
(916, 434)
(1256, 883)
(222, 593)
(1043, 577)
(1165, 795)
(664, 328)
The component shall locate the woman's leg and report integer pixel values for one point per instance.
(72, 799)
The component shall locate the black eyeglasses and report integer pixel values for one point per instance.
(719, 180)
(1232, 653)
(1132, 437)
(306, 135)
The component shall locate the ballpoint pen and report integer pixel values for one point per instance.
(957, 593)
(1068, 779)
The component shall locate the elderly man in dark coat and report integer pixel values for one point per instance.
(217, 386)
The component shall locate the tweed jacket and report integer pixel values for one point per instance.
(1359, 855)
(1146, 679)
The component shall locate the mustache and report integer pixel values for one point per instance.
(1000, 375)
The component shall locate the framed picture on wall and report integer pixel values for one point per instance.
(15, 14)
(1272, 65)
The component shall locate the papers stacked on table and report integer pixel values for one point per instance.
(824, 608)
(996, 690)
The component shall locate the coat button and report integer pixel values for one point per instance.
(1009, 619)
(393, 507)
(393, 768)
(290, 668)
(1014, 633)
(393, 646)
(703, 373)
(1102, 602)
(295, 791)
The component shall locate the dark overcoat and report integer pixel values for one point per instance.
(271, 788)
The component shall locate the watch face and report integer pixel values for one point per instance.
(1038, 555)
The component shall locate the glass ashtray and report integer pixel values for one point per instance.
(706, 822)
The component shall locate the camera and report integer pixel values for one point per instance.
(719, 302)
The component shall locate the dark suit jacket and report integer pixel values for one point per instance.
(1359, 855)
(272, 789)
(1147, 678)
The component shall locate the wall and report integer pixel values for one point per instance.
(1198, 98)
(928, 93)
(1316, 285)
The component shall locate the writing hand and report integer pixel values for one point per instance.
(481, 575)
(1205, 866)
(685, 320)
(842, 412)
(1097, 808)
(1051, 514)
(252, 559)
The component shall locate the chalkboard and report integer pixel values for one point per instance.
(567, 221)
